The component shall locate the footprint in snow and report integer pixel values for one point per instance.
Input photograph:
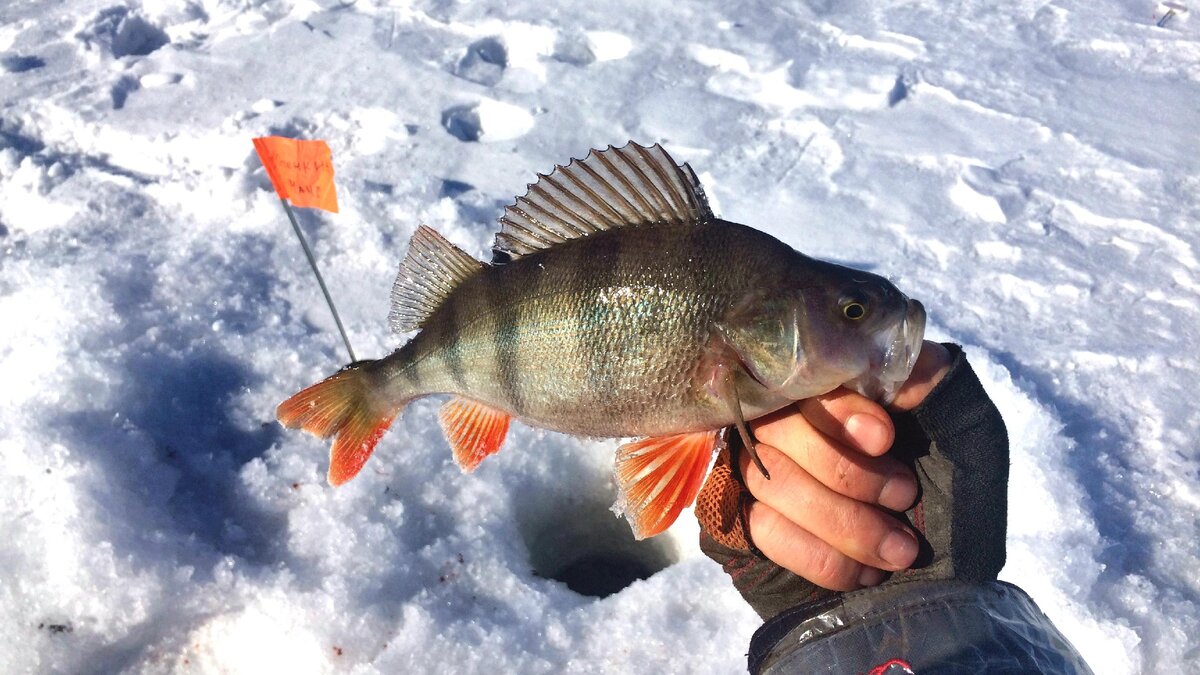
(487, 121)
(573, 48)
(122, 89)
(15, 63)
(588, 47)
(1009, 196)
(484, 61)
(122, 32)
(154, 80)
(128, 84)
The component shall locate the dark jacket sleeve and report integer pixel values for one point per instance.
(922, 627)
(948, 613)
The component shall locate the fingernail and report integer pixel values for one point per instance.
(898, 493)
(899, 548)
(871, 576)
(867, 432)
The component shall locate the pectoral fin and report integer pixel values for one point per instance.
(658, 477)
(724, 386)
(473, 429)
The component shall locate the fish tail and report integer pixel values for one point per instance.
(348, 406)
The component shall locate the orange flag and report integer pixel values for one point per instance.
(301, 171)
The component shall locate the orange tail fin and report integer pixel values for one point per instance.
(658, 477)
(343, 406)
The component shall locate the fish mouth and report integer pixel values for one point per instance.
(900, 348)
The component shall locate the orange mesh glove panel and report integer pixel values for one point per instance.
(725, 537)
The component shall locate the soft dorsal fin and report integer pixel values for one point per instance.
(632, 185)
(430, 271)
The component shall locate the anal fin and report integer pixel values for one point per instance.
(658, 477)
(473, 429)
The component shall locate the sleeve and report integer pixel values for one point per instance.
(921, 627)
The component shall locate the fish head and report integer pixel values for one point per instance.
(895, 353)
(854, 329)
(822, 326)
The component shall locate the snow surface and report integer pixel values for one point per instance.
(1029, 170)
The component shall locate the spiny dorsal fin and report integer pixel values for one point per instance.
(614, 187)
(430, 271)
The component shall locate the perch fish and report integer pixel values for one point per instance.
(618, 305)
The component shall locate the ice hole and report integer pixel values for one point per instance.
(577, 540)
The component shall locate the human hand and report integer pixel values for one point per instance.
(944, 611)
(819, 516)
(824, 516)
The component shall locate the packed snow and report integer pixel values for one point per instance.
(1029, 170)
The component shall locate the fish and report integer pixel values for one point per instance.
(617, 305)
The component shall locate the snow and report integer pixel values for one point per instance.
(1027, 169)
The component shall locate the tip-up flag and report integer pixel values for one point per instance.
(301, 171)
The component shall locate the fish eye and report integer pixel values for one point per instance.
(854, 310)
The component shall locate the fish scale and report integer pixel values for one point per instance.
(625, 309)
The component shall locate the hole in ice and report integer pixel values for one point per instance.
(576, 539)
(596, 555)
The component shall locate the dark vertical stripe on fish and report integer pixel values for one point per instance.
(412, 367)
(532, 317)
(703, 268)
(700, 272)
(601, 264)
(452, 339)
(506, 339)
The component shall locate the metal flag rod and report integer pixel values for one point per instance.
(313, 263)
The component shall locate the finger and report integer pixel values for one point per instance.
(879, 480)
(799, 551)
(854, 528)
(852, 419)
(932, 364)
